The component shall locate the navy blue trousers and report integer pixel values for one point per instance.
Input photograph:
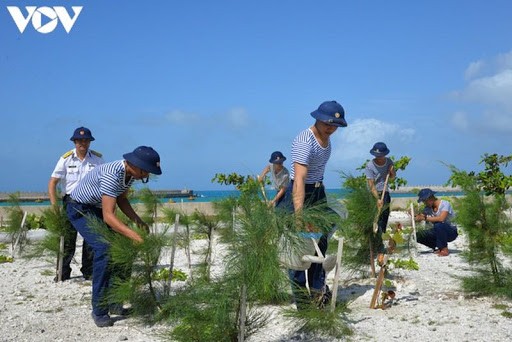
(315, 273)
(79, 215)
(69, 250)
(438, 236)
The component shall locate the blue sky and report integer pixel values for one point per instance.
(216, 86)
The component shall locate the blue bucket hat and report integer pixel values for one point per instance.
(145, 158)
(331, 113)
(379, 149)
(82, 133)
(425, 194)
(277, 158)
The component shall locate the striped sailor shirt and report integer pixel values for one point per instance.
(307, 151)
(107, 179)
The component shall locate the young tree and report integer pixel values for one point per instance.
(481, 213)
(362, 242)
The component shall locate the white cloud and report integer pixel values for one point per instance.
(491, 90)
(497, 121)
(473, 69)
(234, 118)
(182, 118)
(504, 61)
(486, 99)
(237, 118)
(354, 142)
(461, 121)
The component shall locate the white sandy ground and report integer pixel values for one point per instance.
(429, 306)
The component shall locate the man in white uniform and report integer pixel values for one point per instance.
(70, 169)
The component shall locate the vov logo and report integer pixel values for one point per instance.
(51, 16)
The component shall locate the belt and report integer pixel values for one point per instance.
(312, 185)
(316, 184)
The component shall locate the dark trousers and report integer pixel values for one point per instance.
(315, 273)
(382, 221)
(384, 214)
(438, 236)
(70, 236)
(80, 216)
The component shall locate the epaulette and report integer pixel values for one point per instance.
(97, 154)
(67, 154)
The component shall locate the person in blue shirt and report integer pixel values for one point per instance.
(439, 214)
(376, 171)
(279, 174)
(99, 193)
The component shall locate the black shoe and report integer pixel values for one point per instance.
(323, 298)
(64, 277)
(102, 321)
(117, 309)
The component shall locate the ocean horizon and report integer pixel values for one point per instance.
(218, 195)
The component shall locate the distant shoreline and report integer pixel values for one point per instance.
(39, 196)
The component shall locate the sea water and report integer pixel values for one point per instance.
(218, 195)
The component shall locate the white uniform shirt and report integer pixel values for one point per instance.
(70, 169)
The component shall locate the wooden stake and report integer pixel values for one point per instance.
(337, 274)
(378, 283)
(20, 237)
(187, 252)
(415, 240)
(60, 261)
(372, 262)
(243, 309)
(173, 248)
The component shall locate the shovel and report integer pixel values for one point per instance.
(375, 222)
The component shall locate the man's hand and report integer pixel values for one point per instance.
(136, 238)
(420, 217)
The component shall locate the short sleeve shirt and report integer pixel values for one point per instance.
(280, 179)
(443, 206)
(307, 151)
(70, 169)
(107, 179)
(378, 173)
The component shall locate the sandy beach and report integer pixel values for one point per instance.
(429, 305)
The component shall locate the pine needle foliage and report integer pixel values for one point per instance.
(258, 240)
(361, 212)
(150, 203)
(185, 220)
(226, 213)
(358, 226)
(315, 323)
(209, 312)
(481, 213)
(133, 266)
(57, 225)
(253, 254)
(206, 225)
(15, 217)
